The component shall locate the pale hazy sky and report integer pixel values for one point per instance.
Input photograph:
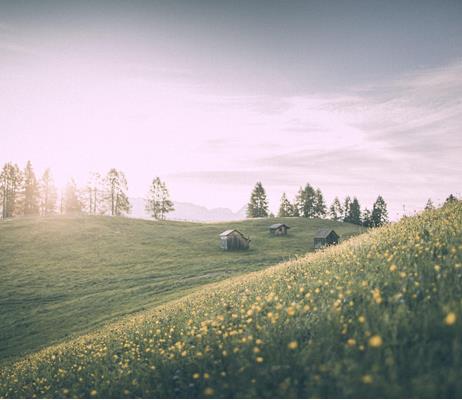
(356, 97)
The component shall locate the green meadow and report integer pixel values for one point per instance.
(379, 315)
(63, 276)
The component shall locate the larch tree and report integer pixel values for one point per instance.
(366, 218)
(94, 194)
(48, 194)
(285, 208)
(336, 210)
(10, 186)
(31, 196)
(429, 205)
(258, 204)
(379, 215)
(158, 202)
(116, 192)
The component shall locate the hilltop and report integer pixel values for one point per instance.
(63, 276)
(377, 316)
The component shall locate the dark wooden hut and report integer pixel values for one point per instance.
(325, 237)
(232, 239)
(279, 229)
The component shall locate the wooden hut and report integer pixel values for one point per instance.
(232, 239)
(325, 237)
(279, 229)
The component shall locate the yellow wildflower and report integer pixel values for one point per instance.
(293, 345)
(375, 341)
(450, 319)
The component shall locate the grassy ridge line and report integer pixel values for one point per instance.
(376, 316)
(65, 276)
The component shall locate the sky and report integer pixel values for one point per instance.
(358, 98)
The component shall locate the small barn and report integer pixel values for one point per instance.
(279, 229)
(325, 237)
(232, 239)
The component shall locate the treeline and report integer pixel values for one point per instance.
(22, 193)
(309, 203)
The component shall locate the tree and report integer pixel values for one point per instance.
(10, 184)
(158, 203)
(379, 215)
(306, 200)
(31, 191)
(367, 218)
(47, 194)
(285, 209)
(71, 199)
(258, 204)
(354, 215)
(450, 199)
(336, 210)
(429, 205)
(319, 204)
(346, 209)
(116, 196)
(94, 195)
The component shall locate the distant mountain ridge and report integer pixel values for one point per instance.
(189, 212)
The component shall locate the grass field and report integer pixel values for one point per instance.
(63, 276)
(377, 316)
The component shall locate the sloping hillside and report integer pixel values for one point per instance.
(63, 276)
(378, 316)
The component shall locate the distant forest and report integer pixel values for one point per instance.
(22, 193)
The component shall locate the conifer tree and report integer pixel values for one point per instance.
(94, 194)
(367, 218)
(31, 199)
(336, 210)
(429, 205)
(71, 199)
(10, 185)
(306, 200)
(450, 199)
(285, 208)
(319, 204)
(379, 215)
(346, 209)
(354, 216)
(116, 197)
(258, 204)
(47, 194)
(158, 203)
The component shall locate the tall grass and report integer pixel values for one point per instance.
(378, 316)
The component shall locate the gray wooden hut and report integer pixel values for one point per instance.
(232, 239)
(279, 229)
(325, 237)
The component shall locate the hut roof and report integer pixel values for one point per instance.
(276, 226)
(323, 233)
(230, 231)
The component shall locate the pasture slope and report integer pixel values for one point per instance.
(379, 315)
(63, 276)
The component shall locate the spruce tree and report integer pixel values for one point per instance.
(336, 210)
(379, 215)
(31, 202)
(71, 200)
(48, 194)
(355, 212)
(429, 205)
(258, 204)
(306, 200)
(346, 209)
(285, 208)
(319, 204)
(116, 196)
(158, 203)
(367, 218)
(450, 199)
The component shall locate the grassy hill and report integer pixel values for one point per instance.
(63, 276)
(377, 316)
